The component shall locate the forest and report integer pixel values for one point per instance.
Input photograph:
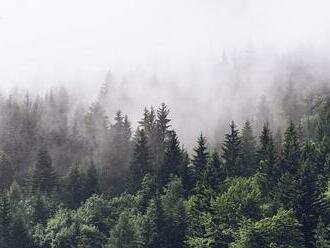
(73, 177)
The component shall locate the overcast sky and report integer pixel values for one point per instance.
(72, 42)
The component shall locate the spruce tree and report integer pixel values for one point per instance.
(200, 157)
(43, 177)
(74, 187)
(232, 152)
(248, 155)
(267, 159)
(141, 163)
(291, 150)
(163, 121)
(172, 160)
(214, 175)
(91, 182)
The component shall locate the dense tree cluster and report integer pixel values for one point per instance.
(76, 179)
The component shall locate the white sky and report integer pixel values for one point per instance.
(72, 42)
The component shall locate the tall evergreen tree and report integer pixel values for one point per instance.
(248, 154)
(141, 163)
(291, 150)
(91, 182)
(232, 152)
(74, 187)
(267, 159)
(43, 178)
(214, 175)
(172, 160)
(200, 157)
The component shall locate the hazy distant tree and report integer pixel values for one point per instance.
(163, 121)
(200, 157)
(248, 154)
(141, 162)
(231, 152)
(6, 172)
(43, 178)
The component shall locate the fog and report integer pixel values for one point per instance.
(210, 61)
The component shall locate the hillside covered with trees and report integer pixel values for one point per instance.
(73, 177)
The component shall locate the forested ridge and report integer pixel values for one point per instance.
(75, 177)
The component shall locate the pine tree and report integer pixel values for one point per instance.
(309, 207)
(232, 152)
(74, 187)
(172, 161)
(214, 175)
(267, 160)
(163, 121)
(141, 163)
(200, 157)
(6, 172)
(291, 150)
(43, 177)
(91, 182)
(248, 154)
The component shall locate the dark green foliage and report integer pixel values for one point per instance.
(43, 177)
(141, 162)
(214, 175)
(91, 182)
(172, 161)
(266, 160)
(291, 150)
(74, 187)
(272, 194)
(248, 154)
(231, 152)
(200, 157)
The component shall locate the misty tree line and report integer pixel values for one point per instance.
(74, 178)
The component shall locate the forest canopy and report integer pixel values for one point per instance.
(76, 177)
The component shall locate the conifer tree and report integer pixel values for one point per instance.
(291, 150)
(232, 152)
(74, 187)
(91, 182)
(43, 177)
(172, 160)
(266, 159)
(163, 121)
(214, 175)
(248, 154)
(141, 163)
(6, 172)
(200, 157)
